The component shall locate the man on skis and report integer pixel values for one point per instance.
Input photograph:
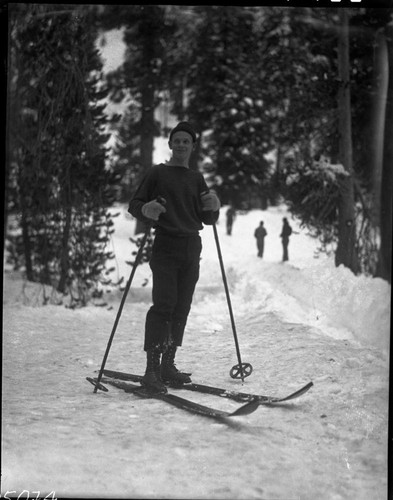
(184, 205)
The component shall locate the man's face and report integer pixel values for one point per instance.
(181, 145)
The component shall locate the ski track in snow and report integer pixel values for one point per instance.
(59, 436)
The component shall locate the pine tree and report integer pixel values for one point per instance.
(59, 182)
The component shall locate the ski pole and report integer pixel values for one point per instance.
(97, 383)
(241, 370)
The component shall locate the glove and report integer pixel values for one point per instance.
(210, 201)
(153, 209)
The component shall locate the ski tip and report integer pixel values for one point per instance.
(246, 409)
(306, 388)
(294, 395)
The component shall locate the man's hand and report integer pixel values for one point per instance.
(153, 209)
(210, 201)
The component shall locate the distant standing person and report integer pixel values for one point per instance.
(285, 234)
(231, 215)
(260, 233)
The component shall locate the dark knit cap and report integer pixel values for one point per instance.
(183, 127)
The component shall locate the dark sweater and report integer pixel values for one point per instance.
(182, 189)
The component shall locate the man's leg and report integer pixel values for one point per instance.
(187, 279)
(158, 318)
(285, 247)
(186, 286)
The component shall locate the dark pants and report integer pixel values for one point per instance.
(175, 267)
(261, 247)
(285, 242)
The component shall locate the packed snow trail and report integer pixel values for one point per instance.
(60, 436)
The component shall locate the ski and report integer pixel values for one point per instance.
(184, 404)
(240, 397)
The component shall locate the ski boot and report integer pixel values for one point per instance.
(151, 380)
(169, 373)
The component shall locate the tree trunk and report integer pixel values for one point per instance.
(381, 77)
(148, 107)
(26, 240)
(147, 136)
(277, 188)
(346, 251)
(384, 268)
(64, 262)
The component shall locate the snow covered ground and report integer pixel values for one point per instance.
(296, 321)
